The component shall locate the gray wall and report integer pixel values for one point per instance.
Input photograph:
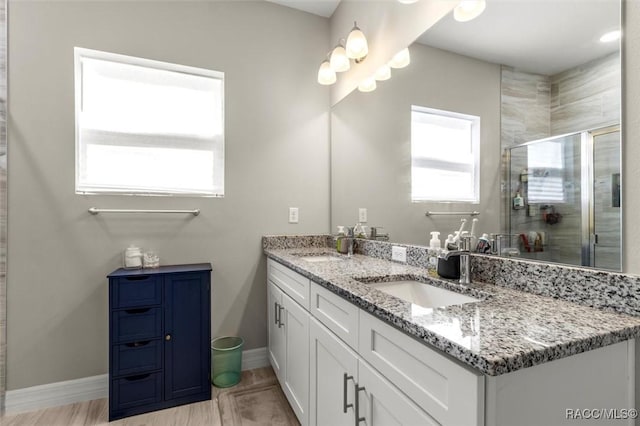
(277, 155)
(3, 199)
(371, 145)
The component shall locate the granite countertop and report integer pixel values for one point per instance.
(506, 331)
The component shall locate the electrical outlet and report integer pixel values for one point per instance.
(293, 215)
(399, 254)
(362, 215)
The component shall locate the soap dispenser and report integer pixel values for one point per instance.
(339, 240)
(435, 240)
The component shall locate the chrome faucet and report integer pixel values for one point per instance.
(464, 247)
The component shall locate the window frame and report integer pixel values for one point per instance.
(218, 189)
(452, 166)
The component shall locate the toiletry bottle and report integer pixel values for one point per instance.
(340, 239)
(435, 240)
(450, 243)
(483, 246)
(518, 201)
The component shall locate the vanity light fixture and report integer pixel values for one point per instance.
(611, 36)
(383, 73)
(357, 47)
(400, 59)
(367, 85)
(339, 60)
(326, 74)
(468, 10)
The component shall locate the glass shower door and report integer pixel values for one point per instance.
(606, 208)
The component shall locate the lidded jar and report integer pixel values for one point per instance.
(133, 257)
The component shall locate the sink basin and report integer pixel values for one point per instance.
(422, 294)
(322, 258)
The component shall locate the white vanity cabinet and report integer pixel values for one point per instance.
(289, 336)
(337, 364)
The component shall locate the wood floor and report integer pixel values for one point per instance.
(93, 413)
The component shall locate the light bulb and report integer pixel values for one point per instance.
(400, 59)
(339, 61)
(326, 74)
(367, 85)
(357, 47)
(468, 10)
(383, 73)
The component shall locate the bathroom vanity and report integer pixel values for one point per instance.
(346, 350)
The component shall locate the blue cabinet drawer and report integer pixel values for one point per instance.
(136, 357)
(133, 391)
(137, 324)
(136, 290)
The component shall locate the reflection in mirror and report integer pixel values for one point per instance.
(524, 83)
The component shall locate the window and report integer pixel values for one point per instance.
(546, 167)
(147, 127)
(445, 152)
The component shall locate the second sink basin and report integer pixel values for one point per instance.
(422, 294)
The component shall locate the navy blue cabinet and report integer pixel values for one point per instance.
(159, 334)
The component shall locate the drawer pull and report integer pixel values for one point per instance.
(346, 378)
(138, 344)
(359, 419)
(280, 309)
(137, 311)
(167, 337)
(138, 278)
(138, 377)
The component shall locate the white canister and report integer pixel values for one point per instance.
(133, 257)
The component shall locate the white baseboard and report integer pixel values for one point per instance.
(54, 394)
(88, 388)
(255, 358)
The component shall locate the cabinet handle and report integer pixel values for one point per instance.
(167, 337)
(138, 377)
(138, 344)
(345, 379)
(357, 402)
(275, 312)
(137, 310)
(280, 309)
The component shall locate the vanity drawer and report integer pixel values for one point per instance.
(136, 324)
(133, 391)
(295, 285)
(136, 357)
(449, 392)
(337, 314)
(136, 290)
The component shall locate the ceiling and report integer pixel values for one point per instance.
(539, 36)
(317, 7)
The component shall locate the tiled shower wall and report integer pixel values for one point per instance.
(3, 199)
(535, 106)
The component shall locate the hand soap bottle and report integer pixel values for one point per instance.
(435, 241)
(339, 240)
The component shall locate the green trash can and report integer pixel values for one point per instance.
(226, 361)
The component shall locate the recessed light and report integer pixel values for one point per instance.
(611, 36)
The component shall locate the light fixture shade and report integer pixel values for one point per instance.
(367, 85)
(357, 47)
(339, 61)
(383, 73)
(400, 59)
(407, 1)
(611, 36)
(326, 74)
(468, 10)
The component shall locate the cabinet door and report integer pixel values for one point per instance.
(187, 335)
(331, 393)
(382, 404)
(295, 322)
(275, 331)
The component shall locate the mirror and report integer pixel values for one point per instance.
(530, 71)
